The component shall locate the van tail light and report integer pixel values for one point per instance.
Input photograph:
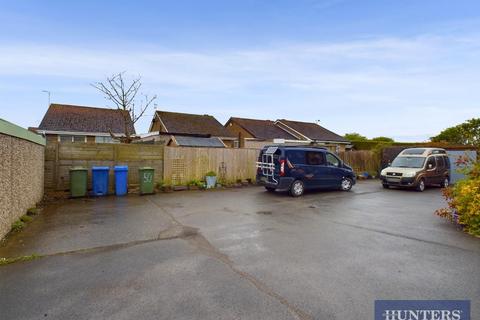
(282, 168)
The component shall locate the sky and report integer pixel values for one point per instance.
(403, 69)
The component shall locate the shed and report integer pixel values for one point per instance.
(191, 141)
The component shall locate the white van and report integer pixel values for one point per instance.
(418, 168)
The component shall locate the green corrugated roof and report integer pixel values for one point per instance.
(188, 141)
(13, 130)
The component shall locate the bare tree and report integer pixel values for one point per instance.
(124, 96)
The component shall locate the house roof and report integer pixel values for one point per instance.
(190, 141)
(262, 129)
(62, 117)
(313, 131)
(192, 124)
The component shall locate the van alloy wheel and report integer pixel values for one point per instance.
(446, 182)
(421, 185)
(346, 184)
(297, 188)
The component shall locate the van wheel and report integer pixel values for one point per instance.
(346, 184)
(446, 182)
(297, 188)
(270, 189)
(421, 185)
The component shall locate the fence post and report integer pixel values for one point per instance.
(55, 179)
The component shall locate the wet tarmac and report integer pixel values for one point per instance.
(238, 254)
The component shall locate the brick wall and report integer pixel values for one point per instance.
(21, 178)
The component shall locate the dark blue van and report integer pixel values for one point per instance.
(299, 168)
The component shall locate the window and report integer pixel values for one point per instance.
(447, 162)
(235, 142)
(70, 139)
(64, 139)
(408, 162)
(431, 163)
(296, 156)
(440, 162)
(332, 160)
(315, 158)
(102, 139)
(79, 139)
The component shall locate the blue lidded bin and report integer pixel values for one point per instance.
(100, 181)
(121, 180)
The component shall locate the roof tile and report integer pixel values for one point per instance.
(262, 129)
(62, 117)
(179, 123)
(313, 131)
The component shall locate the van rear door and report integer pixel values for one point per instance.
(268, 164)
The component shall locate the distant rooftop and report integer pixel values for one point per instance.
(262, 129)
(192, 124)
(313, 131)
(63, 117)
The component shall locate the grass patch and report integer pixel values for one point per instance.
(5, 261)
(26, 218)
(32, 211)
(17, 226)
(23, 220)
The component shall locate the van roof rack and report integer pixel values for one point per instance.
(296, 146)
(423, 151)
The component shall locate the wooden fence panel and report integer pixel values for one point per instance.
(59, 158)
(86, 151)
(182, 165)
(362, 160)
(173, 165)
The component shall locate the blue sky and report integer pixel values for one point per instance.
(404, 69)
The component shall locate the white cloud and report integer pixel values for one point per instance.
(363, 81)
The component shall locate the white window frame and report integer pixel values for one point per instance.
(111, 140)
(59, 139)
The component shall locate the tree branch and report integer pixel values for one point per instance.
(124, 96)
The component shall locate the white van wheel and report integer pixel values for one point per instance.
(446, 182)
(421, 185)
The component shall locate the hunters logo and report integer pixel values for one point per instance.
(422, 310)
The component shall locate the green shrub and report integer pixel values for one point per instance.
(364, 145)
(192, 183)
(211, 174)
(464, 200)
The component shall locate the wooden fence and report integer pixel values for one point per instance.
(186, 164)
(173, 165)
(361, 161)
(59, 158)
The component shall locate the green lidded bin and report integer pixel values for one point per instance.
(78, 182)
(146, 175)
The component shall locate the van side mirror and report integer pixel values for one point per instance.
(430, 166)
